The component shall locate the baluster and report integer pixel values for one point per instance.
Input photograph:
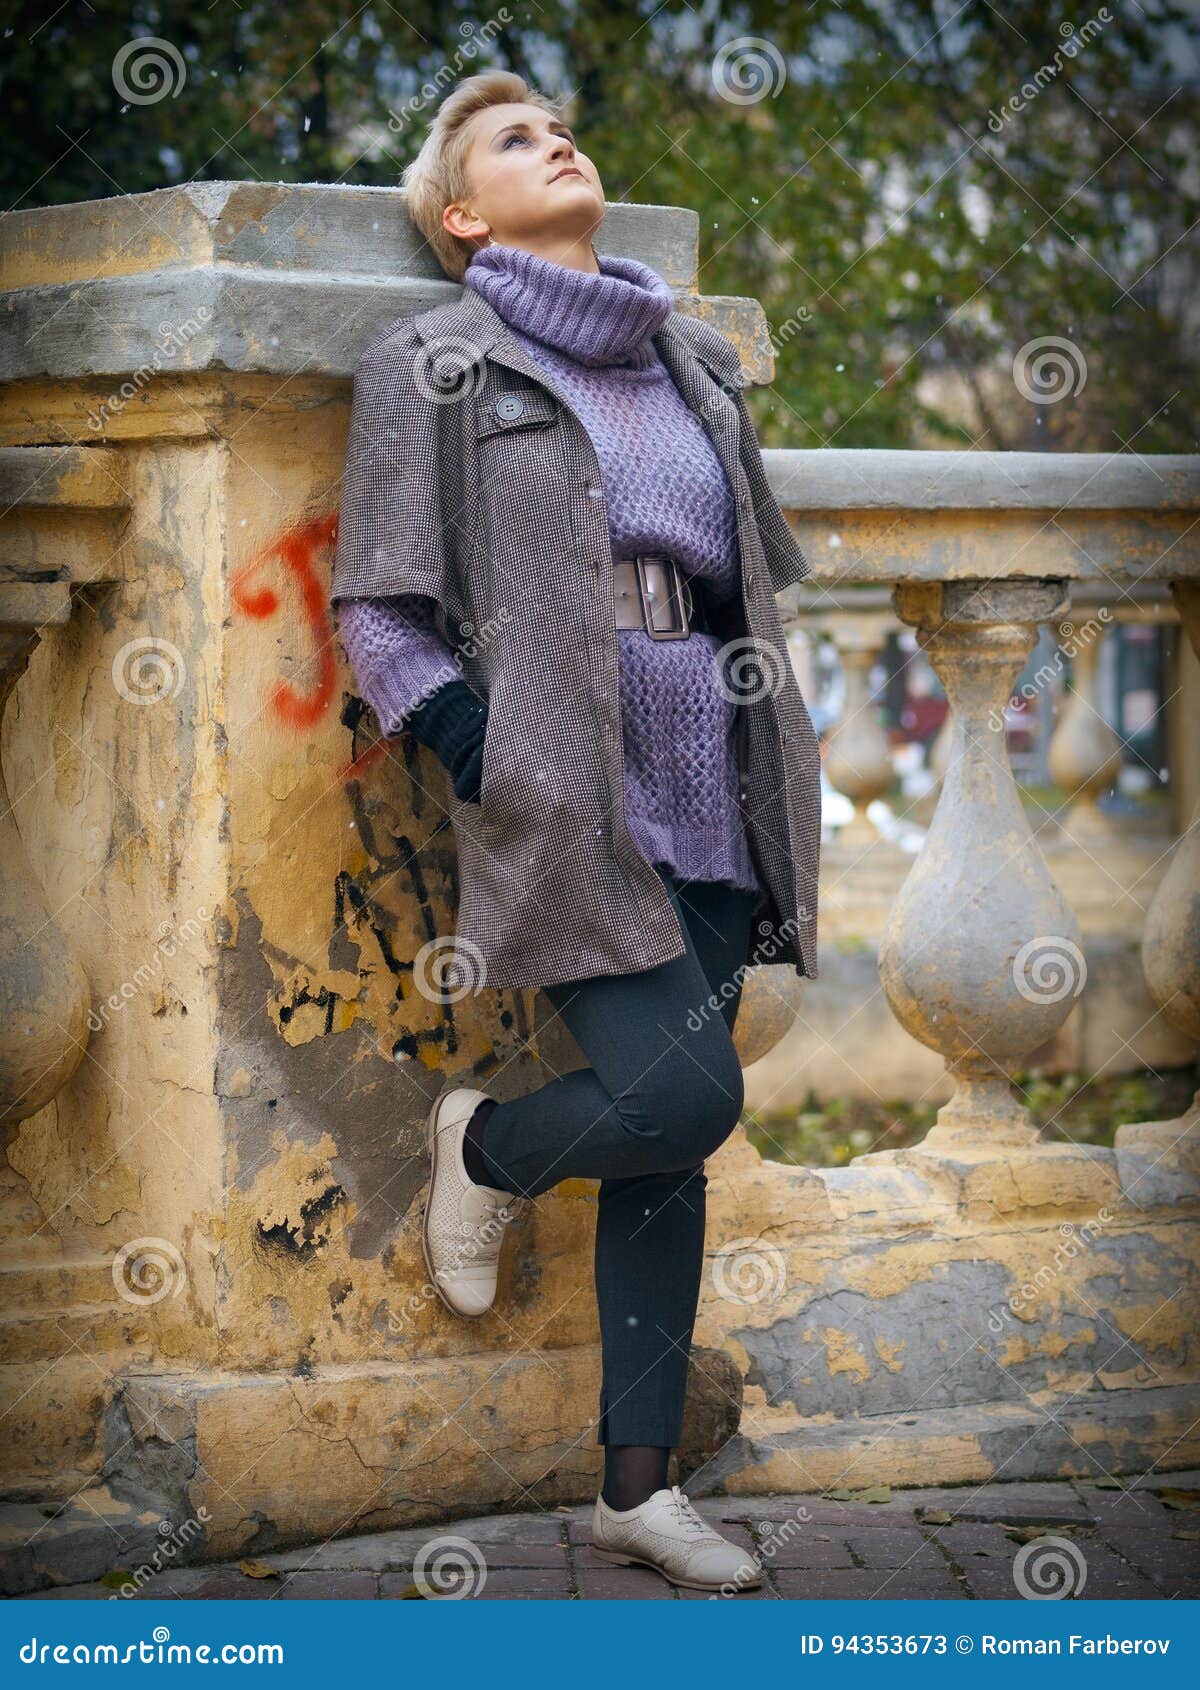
(981, 959)
(1085, 753)
(858, 760)
(1171, 961)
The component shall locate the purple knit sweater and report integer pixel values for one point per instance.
(665, 491)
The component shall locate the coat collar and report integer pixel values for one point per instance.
(696, 356)
(684, 342)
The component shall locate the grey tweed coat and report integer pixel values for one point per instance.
(470, 479)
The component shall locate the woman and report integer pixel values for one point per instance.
(556, 550)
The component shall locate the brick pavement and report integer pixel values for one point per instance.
(1125, 1544)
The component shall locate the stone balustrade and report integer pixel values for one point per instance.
(217, 1043)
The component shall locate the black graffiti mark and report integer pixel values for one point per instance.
(304, 1239)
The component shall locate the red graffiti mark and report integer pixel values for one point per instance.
(358, 766)
(297, 549)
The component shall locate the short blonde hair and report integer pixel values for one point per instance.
(437, 176)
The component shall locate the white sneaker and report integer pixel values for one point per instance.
(666, 1533)
(463, 1225)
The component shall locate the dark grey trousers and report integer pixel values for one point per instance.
(664, 1090)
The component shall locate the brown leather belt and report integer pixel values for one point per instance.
(653, 594)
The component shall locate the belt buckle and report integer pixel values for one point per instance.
(680, 594)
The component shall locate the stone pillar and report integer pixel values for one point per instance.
(981, 959)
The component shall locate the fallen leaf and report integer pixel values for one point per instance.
(875, 1493)
(258, 1569)
(839, 1495)
(936, 1517)
(1187, 1537)
(1179, 1498)
(114, 1580)
(1027, 1534)
(412, 1593)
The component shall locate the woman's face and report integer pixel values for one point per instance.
(530, 183)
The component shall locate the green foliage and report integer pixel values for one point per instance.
(1068, 1109)
(897, 221)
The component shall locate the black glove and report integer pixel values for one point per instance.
(452, 722)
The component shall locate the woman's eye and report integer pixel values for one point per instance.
(520, 138)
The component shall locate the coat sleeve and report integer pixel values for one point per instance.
(397, 521)
(786, 562)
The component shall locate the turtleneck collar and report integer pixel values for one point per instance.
(604, 319)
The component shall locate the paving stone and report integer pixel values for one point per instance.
(69, 1593)
(179, 1584)
(823, 1515)
(1169, 1561)
(525, 1555)
(971, 1541)
(623, 1584)
(329, 1587)
(540, 1584)
(900, 1547)
(864, 1585)
(226, 1584)
(805, 1549)
(393, 1585)
(1017, 1504)
(1136, 1507)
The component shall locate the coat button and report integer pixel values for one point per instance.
(509, 407)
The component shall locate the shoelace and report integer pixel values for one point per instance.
(687, 1515)
(504, 1212)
